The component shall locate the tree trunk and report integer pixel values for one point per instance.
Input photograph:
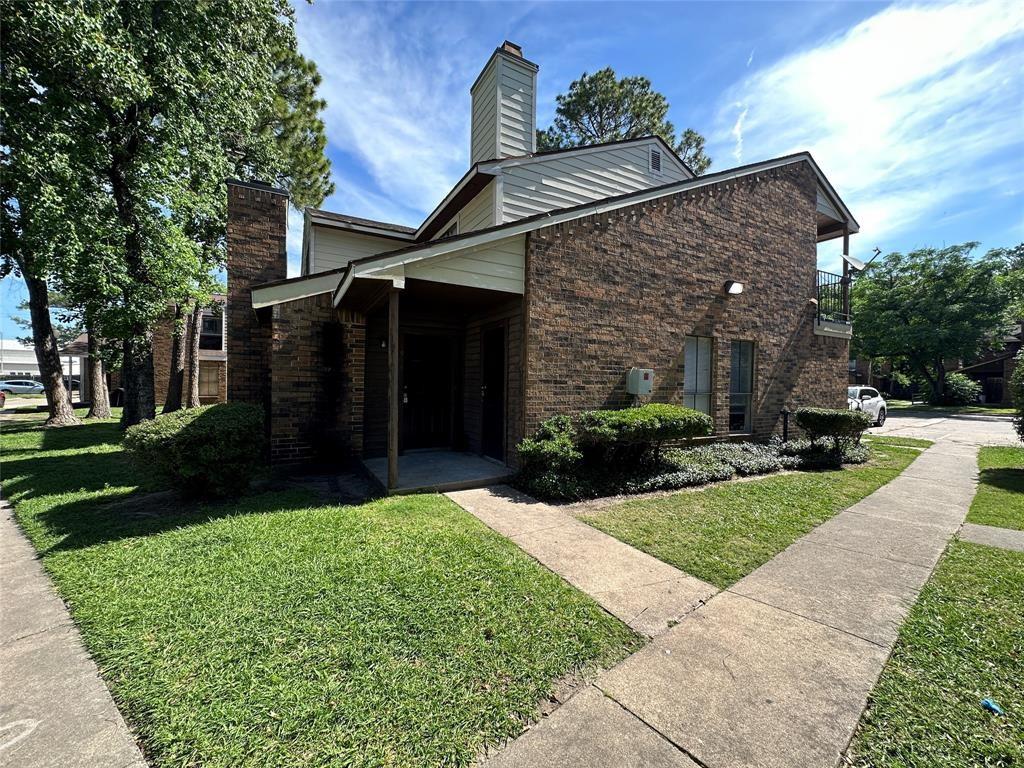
(99, 407)
(195, 329)
(137, 378)
(176, 380)
(58, 399)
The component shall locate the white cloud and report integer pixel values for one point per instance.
(906, 112)
(737, 132)
(397, 102)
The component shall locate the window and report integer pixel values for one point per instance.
(697, 373)
(656, 160)
(869, 392)
(212, 333)
(741, 385)
(209, 380)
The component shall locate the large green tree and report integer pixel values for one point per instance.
(929, 309)
(601, 107)
(162, 102)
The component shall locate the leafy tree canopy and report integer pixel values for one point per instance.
(929, 308)
(602, 107)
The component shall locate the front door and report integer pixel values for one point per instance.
(492, 394)
(427, 391)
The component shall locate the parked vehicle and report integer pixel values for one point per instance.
(867, 399)
(21, 387)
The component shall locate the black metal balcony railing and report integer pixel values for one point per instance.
(833, 298)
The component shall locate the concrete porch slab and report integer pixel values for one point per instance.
(423, 471)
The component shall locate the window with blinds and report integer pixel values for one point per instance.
(697, 373)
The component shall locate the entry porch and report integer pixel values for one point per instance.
(442, 383)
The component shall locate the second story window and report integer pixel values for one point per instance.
(211, 335)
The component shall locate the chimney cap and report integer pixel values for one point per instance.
(514, 48)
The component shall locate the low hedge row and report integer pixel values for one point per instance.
(212, 451)
(601, 454)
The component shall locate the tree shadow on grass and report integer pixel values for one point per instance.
(87, 522)
(1004, 478)
(103, 496)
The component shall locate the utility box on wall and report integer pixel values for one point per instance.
(640, 381)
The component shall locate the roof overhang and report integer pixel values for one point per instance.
(469, 186)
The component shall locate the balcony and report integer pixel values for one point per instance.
(833, 317)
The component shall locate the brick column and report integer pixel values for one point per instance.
(257, 225)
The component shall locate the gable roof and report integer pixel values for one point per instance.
(473, 181)
(372, 266)
(281, 291)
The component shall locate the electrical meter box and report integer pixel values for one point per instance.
(640, 381)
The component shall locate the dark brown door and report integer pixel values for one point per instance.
(427, 392)
(492, 393)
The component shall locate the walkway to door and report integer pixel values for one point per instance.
(775, 670)
(439, 471)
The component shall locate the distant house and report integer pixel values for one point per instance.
(532, 289)
(212, 358)
(994, 369)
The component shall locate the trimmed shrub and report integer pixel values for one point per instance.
(629, 433)
(212, 451)
(744, 458)
(960, 390)
(1017, 392)
(843, 426)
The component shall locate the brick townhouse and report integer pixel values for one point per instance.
(535, 286)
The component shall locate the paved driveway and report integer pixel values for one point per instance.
(970, 430)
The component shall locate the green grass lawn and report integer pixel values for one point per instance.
(277, 631)
(991, 410)
(1000, 497)
(721, 534)
(963, 642)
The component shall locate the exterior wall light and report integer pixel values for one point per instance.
(733, 288)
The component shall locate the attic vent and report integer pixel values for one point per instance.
(656, 160)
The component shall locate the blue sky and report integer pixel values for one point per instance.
(914, 111)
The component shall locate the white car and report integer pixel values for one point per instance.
(867, 399)
(21, 387)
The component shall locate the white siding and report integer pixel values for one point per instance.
(497, 266)
(334, 248)
(565, 180)
(503, 116)
(478, 213)
(517, 84)
(484, 128)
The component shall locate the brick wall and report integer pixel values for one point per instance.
(617, 290)
(257, 223)
(163, 342)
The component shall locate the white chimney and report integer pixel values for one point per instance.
(504, 106)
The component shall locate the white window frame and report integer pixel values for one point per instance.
(746, 392)
(695, 391)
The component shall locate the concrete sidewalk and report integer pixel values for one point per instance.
(1005, 538)
(55, 711)
(776, 670)
(645, 593)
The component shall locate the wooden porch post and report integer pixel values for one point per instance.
(393, 400)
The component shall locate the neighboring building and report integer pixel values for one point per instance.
(994, 369)
(212, 358)
(18, 360)
(532, 289)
